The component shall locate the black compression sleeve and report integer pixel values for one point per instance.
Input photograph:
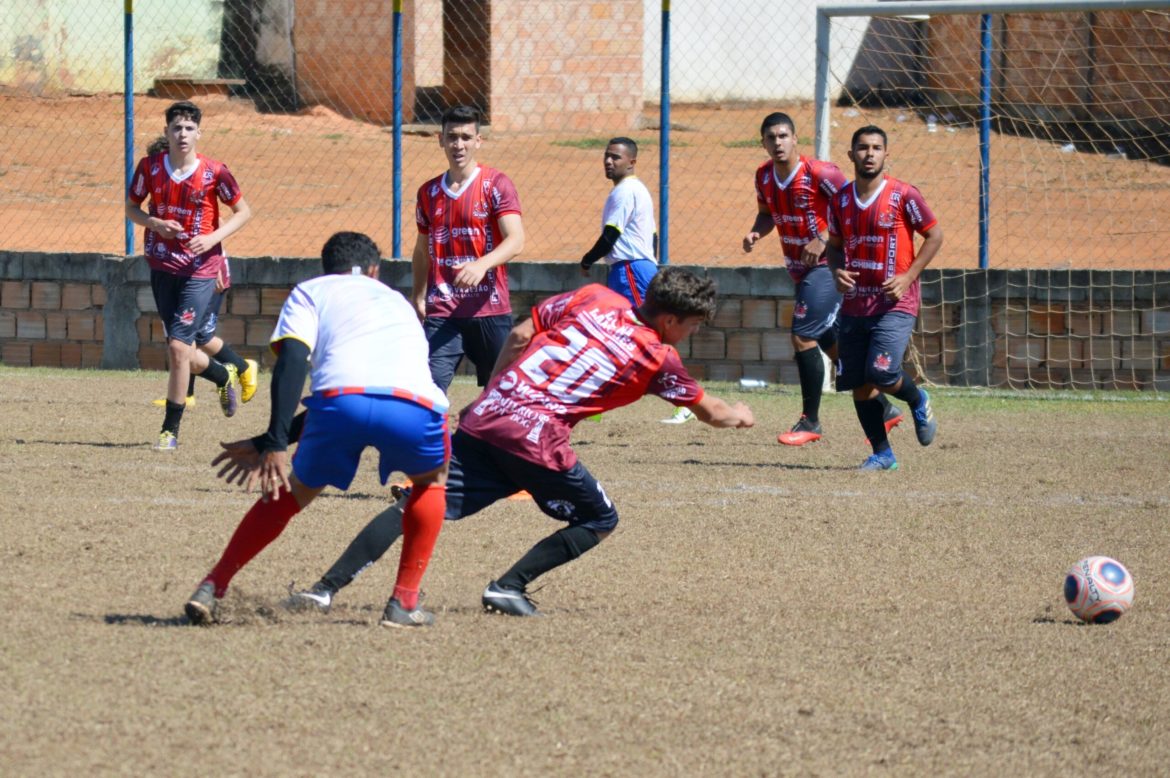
(604, 245)
(288, 381)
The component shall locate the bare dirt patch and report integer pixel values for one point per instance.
(761, 610)
(311, 174)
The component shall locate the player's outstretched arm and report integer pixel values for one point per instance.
(711, 410)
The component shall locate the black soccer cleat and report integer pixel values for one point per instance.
(511, 602)
(202, 605)
(395, 615)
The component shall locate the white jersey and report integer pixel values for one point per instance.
(362, 336)
(630, 210)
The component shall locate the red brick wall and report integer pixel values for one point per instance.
(336, 39)
(1044, 60)
(566, 65)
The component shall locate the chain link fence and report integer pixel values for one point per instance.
(299, 102)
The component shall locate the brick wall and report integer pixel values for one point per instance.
(558, 65)
(1059, 66)
(1017, 329)
(336, 39)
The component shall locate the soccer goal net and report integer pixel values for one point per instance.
(1040, 131)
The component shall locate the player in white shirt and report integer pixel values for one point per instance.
(629, 238)
(362, 346)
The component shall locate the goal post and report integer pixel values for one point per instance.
(1044, 126)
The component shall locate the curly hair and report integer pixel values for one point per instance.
(681, 293)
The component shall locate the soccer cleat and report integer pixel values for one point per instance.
(681, 416)
(925, 424)
(249, 380)
(804, 431)
(162, 402)
(166, 441)
(513, 602)
(229, 393)
(395, 615)
(317, 597)
(893, 417)
(202, 605)
(883, 461)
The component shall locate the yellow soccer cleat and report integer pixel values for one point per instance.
(249, 380)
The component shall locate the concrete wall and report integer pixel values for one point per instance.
(1002, 328)
(61, 46)
(742, 50)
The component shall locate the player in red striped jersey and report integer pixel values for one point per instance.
(182, 245)
(872, 222)
(793, 193)
(469, 226)
(581, 353)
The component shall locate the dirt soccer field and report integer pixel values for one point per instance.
(760, 610)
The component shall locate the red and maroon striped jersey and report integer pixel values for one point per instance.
(462, 227)
(878, 241)
(193, 201)
(799, 206)
(590, 354)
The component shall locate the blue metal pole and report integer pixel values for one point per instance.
(396, 248)
(664, 143)
(984, 138)
(128, 110)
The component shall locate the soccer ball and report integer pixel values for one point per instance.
(1098, 589)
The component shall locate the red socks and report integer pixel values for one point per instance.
(260, 526)
(421, 521)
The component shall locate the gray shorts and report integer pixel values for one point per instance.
(817, 304)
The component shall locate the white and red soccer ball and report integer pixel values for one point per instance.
(1098, 589)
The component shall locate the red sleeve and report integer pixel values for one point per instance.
(917, 212)
(759, 187)
(227, 189)
(137, 191)
(832, 218)
(547, 313)
(421, 217)
(504, 197)
(673, 383)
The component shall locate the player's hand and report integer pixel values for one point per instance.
(241, 459)
(470, 275)
(420, 308)
(811, 252)
(896, 287)
(585, 272)
(168, 228)
(220, 286)
(845, 279)
(749, 241)
(746, 418)
(199, 245)
(273, 474)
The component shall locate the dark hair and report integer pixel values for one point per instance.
(629, 143)
(869, 129)
(777, 118)
(158, 146)
(681, 293)
(346, 250)
(186, 109)
(460, 114)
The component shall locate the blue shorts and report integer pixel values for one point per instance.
(410, 438)
(870, 349)
(482, 474)
(629, 278)
(206, 330)
(182, 302)
(479, 338)
(817, 304)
